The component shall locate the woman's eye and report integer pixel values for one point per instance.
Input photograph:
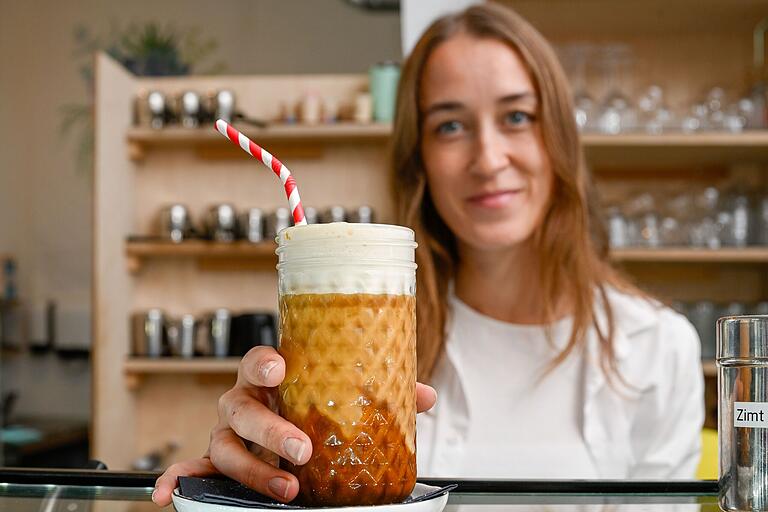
(517, 118)
(448, 127)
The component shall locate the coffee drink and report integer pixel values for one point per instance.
(348, 336)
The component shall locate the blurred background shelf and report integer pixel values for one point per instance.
(247, 256)
(687, 255)
(710, 368)
(709, 149)
(355, 131)
(604, 150)
(8, 303)
(135, 368)
(146, 365)
(138, 368)
(209, 255)
(749, 139)
(208, 142)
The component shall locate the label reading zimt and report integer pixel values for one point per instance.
(750, 414)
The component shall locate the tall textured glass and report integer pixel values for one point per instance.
(742, 358)
(348, 336)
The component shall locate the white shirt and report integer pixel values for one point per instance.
(503, 367)
(494, 419)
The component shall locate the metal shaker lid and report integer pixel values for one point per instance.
(742, 337)
(335, 214)
(311, 215)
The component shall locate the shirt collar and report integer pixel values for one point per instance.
(632, 315)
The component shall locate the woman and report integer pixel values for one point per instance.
(548, 364)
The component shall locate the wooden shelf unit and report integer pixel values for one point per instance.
(150, 168)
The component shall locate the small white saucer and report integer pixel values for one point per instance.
(435, 504)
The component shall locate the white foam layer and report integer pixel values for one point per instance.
(347, 258)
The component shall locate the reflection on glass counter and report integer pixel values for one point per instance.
(107, 491)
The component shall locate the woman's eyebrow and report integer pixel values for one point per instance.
(452, 106)
(510, 98)
(444, 106)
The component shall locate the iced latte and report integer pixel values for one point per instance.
(348, 336)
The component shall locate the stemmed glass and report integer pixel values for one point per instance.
(616, 113)
(575, 59)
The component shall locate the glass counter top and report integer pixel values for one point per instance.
(110, 491)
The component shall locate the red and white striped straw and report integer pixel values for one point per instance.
(263, 156)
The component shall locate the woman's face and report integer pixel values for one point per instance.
(488, 174)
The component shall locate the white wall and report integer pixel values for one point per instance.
(48, 386)
(417, 15)
(45, 200)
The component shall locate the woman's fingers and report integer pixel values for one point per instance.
(167, 482)
(261, 366)
(426, 396)
(230, 456)
(264, 367)
(254, 421)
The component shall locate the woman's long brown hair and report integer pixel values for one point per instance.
(570, 242)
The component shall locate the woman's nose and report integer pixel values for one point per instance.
(490, 152)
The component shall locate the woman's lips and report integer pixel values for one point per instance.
(494, 199)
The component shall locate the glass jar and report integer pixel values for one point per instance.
(348, 337)
(742, 360)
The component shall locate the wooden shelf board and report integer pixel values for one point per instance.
(609, 150)
(141, 366)
(272, 132)
(211, 255)
(140, 140)
(146, 365)
(674, 150)
(199, 248)
(687, 255)
(758, 138)
(8, 304)
(138, 368)
(138, 252)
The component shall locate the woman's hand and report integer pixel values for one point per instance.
(247, 425)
